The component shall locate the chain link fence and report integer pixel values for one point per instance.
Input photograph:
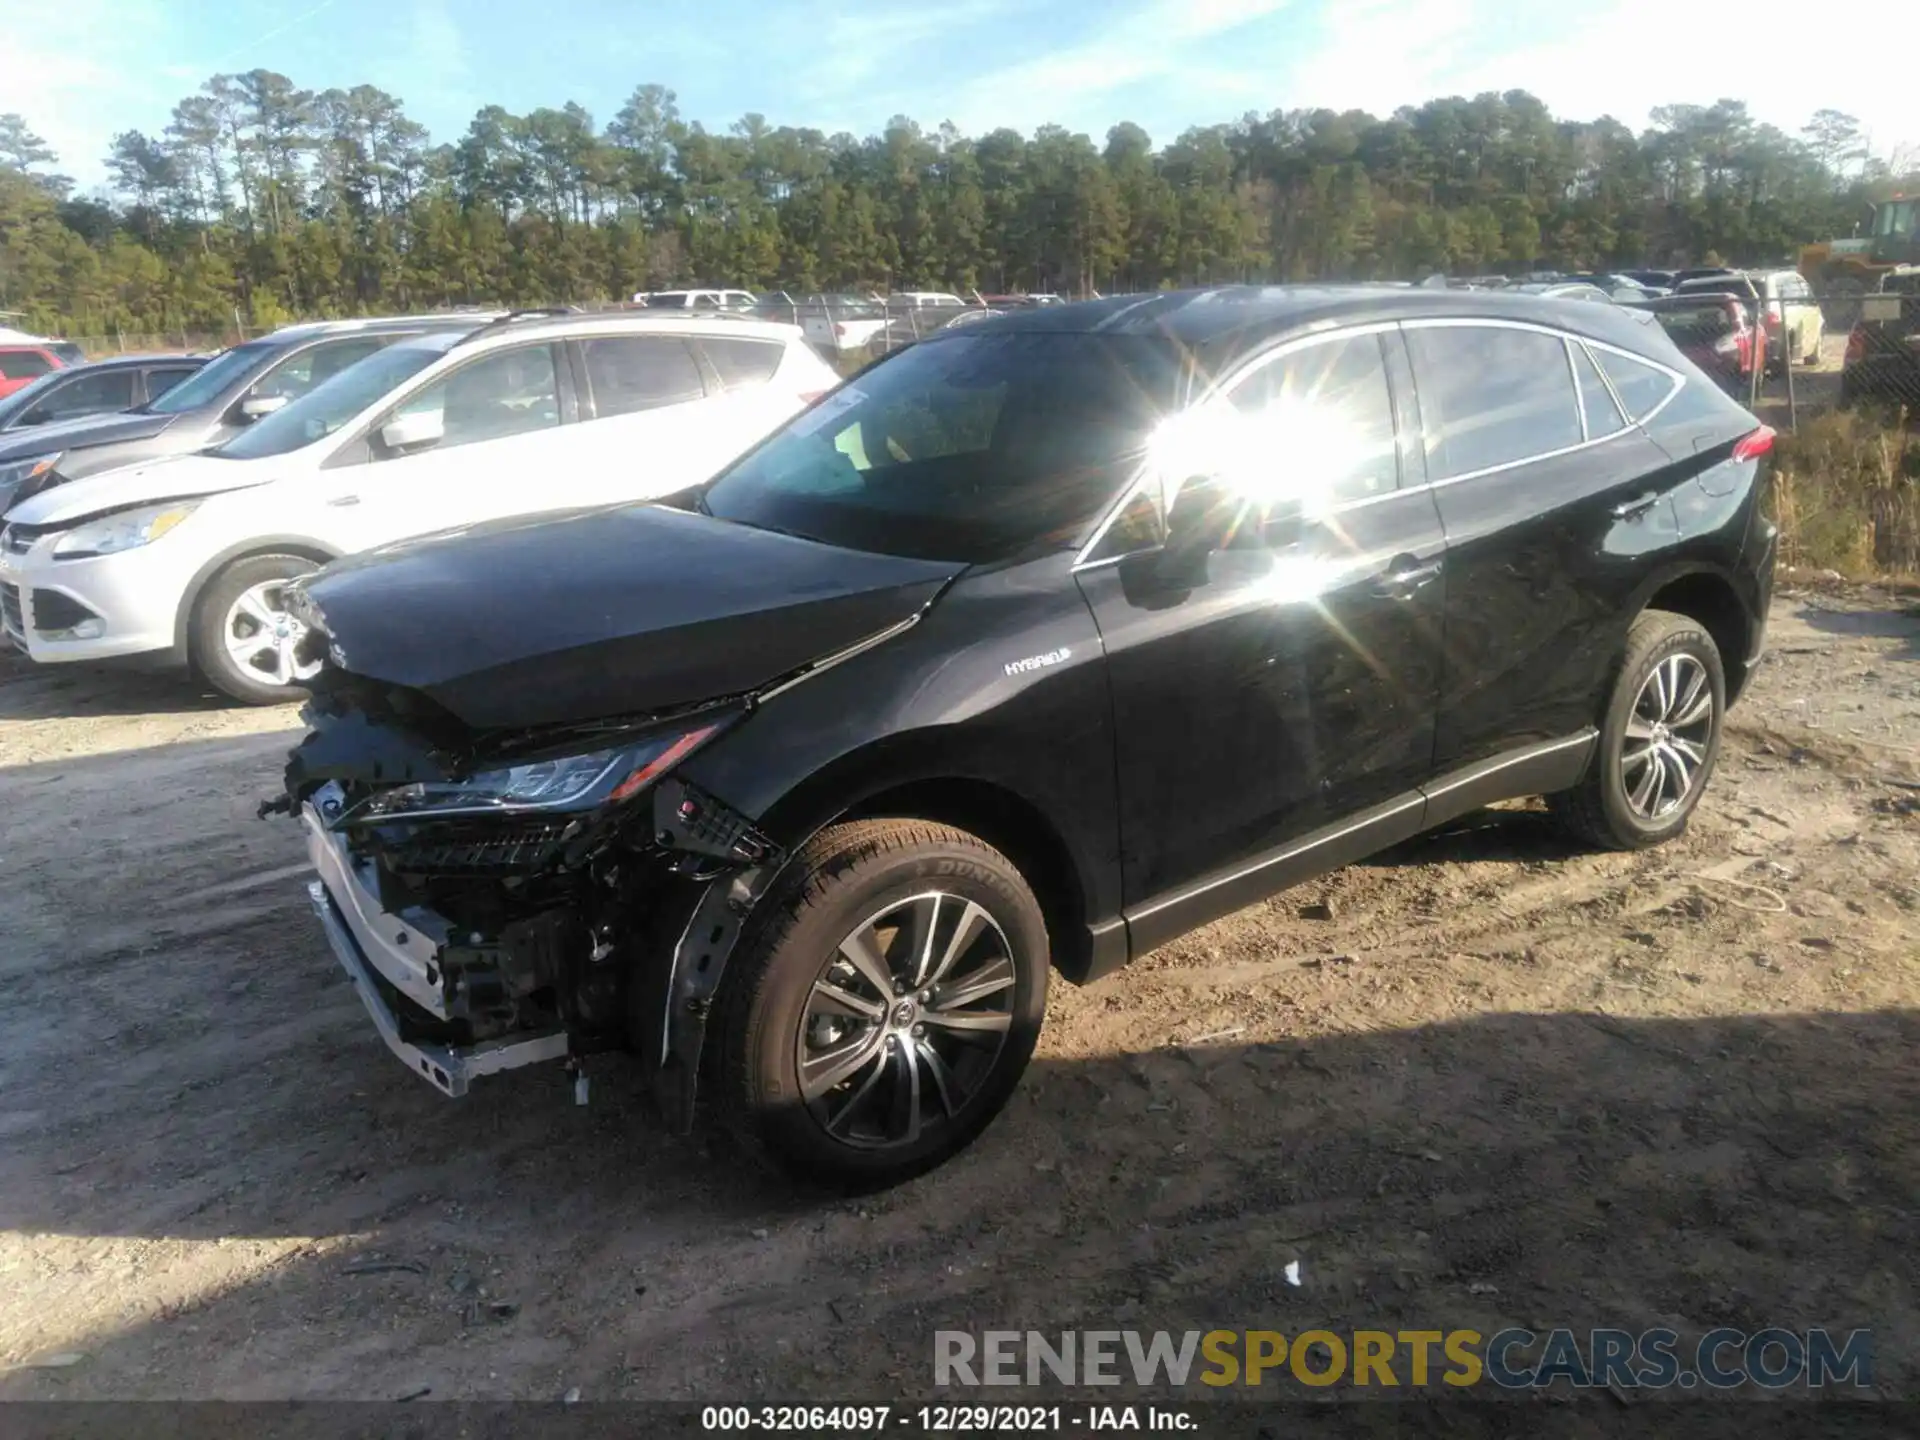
(1837, 373)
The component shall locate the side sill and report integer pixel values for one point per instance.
(1167, 917)
(1538, 769)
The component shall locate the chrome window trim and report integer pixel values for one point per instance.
(1579, 400)
(1217, 393)
(1438, 322)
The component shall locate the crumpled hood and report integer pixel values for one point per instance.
(86, 430)
(612, 611)
(173, 477)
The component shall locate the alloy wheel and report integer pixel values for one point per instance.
(1667, 737)
(906, 1021)
(263, 639)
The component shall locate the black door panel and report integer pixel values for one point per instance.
(1540, 566)
(1550, 507)
(1285, 689)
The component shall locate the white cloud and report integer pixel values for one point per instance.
(1617, 57)
(436, 66)
(76, 71)
(1156, 41)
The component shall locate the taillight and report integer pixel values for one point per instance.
(1856, 345)
(813, 397)
(840, 332)
(1752, 447)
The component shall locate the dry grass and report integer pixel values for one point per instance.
(1847, 493)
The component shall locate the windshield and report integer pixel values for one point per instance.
(215, 376)
(1896, 217)
(336, 400)
(968, 448)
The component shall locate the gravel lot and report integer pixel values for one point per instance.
(1485, 1079)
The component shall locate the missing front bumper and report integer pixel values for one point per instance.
(449, 1069)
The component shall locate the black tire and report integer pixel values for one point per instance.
(764, 1022)
(206, 639)
(1604, 809)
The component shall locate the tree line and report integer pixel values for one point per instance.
(259, 202)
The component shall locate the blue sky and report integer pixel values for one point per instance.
(81, 70)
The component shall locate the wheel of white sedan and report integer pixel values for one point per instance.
(243, 639)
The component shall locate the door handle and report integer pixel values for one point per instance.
(344, 500)
(1636, 507)
(1404, 576)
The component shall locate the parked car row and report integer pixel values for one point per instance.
(849, 323)
(167, 534)
(1038, 644)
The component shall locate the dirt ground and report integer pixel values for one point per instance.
(1494, 1080)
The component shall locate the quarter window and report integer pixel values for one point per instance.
(510, 392)
(742, 363)
(641, 372)
(1603, 416)
(1491, 396)
(161, 381)
(1323, 417)
(1641, 387)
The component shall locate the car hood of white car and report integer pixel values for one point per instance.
(174, 477)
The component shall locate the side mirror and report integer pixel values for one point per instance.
(36, 416)
(417, 431)
(256, 407)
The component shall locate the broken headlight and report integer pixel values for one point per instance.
(567, 784)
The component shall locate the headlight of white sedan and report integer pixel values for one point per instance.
(127, 530)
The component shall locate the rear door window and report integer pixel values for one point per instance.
(742, 364)
(1640, 386)
(630, 373)
(1491, 396)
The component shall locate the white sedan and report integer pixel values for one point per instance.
(184, 560)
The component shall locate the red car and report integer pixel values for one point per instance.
(23, 364)
(1716, 333)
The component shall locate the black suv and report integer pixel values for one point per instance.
(1029, 648)
(223, 395)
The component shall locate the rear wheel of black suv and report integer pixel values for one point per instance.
(1659, 738)
(884, 1005)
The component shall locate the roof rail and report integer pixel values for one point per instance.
(539, 312)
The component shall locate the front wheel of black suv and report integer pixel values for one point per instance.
(1659, 737)
(882, 1007)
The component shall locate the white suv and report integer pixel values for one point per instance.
(183, 560)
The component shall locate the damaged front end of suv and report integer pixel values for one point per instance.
(509, 866)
